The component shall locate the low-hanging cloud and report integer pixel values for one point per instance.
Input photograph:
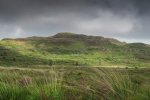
(109, 23)
(122, 19)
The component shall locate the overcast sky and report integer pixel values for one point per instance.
(127, 20)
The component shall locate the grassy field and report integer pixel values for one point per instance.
(74, 83)
(70, 66)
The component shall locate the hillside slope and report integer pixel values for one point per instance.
(73, 49)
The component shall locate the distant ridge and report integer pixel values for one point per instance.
(73, 49)
(74, 36)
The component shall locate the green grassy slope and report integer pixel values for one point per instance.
(73, 49)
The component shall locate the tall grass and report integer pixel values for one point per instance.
(117, 84)
(70, 84)
(121, 86)
(17, 86)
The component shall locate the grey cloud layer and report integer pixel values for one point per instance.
(128, 19)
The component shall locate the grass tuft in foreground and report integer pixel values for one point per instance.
(23, 86)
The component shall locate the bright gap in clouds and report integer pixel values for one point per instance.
(108, 23)
(132, 40)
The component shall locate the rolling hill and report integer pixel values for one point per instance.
(73, 49)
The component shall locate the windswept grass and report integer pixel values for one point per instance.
(123, 88)
(75, 83)
(24, 85)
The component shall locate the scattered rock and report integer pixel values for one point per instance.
(25, 80)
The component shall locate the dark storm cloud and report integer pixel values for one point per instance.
(124, 19)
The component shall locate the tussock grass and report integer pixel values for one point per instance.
(121, 86)
(23, 86)
(75, 83)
